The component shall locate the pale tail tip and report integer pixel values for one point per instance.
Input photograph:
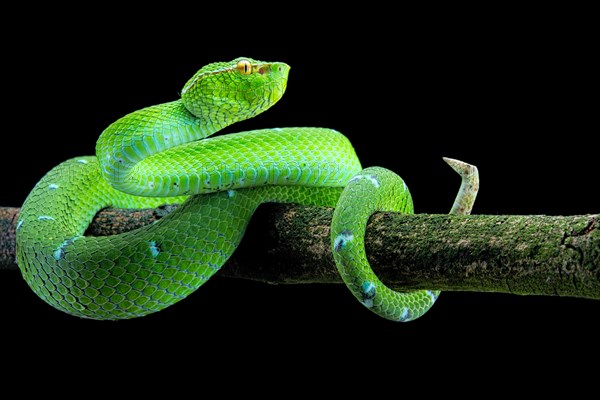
(452, 161)
(461, 167)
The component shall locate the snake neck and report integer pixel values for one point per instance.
(146, 132)
(218, 95)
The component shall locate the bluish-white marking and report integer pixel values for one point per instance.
(53, 186)
(432, 295)
(368, 293)
(154, 248)
(45, 218)
(371, 178)
(59, 253)
(230, 193)
(82, 161)
(368, 289)
(60, 250)
(20, 223)
(151, 185)
(278, 129)
(342, 239)
(406, 315)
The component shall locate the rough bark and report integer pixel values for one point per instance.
(529, 254)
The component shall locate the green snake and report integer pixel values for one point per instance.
(155, 156)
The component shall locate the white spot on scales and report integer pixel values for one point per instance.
(405, 314)
(340, 241)
(154, 248)
(432, 295)
(60, 251)
(371, 178)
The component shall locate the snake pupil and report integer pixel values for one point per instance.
(244, 67)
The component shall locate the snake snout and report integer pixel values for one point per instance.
(281, 68)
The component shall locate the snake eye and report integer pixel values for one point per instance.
(244, 67)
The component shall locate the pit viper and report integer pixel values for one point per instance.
(160, 155)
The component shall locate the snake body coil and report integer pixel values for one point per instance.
(156, 156)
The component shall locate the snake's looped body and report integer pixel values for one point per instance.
(155, 156)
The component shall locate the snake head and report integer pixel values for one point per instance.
(225, 92)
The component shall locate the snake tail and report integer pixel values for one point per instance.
(377, 189)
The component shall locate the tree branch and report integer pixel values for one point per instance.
(529, 254)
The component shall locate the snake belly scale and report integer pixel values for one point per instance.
(162, 154)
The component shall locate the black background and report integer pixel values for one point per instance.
(515, 95)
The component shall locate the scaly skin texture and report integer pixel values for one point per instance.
(155, 156)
